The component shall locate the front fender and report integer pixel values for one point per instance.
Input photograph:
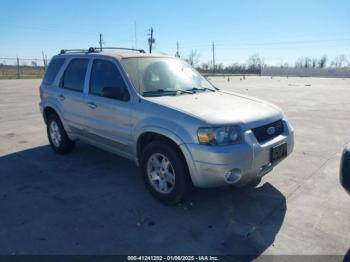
(159, 130)
(167, 128)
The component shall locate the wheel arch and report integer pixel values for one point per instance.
(51, 108)
(48, 110)
(152, 134)
(148, 136)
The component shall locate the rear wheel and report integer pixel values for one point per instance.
(58, 137)
(165, 172)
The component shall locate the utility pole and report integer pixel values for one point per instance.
(177, 50)
(213, 49)
(151, 40)
(18, 74)
(101, 42)
(44, 60)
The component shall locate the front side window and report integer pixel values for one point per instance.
(107, 81)
(52, 70)
(157, 76)
(74, 75)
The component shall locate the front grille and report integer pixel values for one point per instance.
(262, 132)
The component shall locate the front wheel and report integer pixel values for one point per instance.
(165, 172)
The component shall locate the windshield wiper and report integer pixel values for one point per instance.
(164, 92)
(185, 91)
(198, 89)
(182, 91)
(195, 89)
(154, 92)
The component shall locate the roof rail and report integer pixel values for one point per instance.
(97, 49)
(64, 51)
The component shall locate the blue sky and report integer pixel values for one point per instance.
(280, 31)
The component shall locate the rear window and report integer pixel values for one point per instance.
(52, 70)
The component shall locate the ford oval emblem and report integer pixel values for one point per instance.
(271, 130)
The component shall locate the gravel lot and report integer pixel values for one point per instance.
(93, 202)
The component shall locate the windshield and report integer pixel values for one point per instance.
(153, 76)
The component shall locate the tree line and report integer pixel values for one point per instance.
(255, 63)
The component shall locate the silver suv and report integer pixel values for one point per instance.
(161, 113)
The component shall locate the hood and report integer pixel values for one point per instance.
(222, 107)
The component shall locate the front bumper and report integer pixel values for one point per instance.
(209, 165)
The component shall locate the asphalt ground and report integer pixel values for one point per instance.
(94, 202)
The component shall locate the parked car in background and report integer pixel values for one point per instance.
(345, 168)
(161, 113)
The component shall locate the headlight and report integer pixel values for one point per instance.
(220, 136)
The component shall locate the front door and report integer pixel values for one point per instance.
(108, 104)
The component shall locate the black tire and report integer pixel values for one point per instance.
(182, 177)
(65, 145)
(253, 184)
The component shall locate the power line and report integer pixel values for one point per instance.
(268, 48)
(291, 47)
(82, 32)
(291, 42)
(251, 44)
(14, 58)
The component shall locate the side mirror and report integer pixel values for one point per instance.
(345, 168)
(115, 93)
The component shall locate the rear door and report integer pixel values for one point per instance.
(71, 94)
(109, 118)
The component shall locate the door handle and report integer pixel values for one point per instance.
(61, 97)
(92, 105)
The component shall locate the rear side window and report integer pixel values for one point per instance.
(74, 75)
(52, 70)
(105, 74)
